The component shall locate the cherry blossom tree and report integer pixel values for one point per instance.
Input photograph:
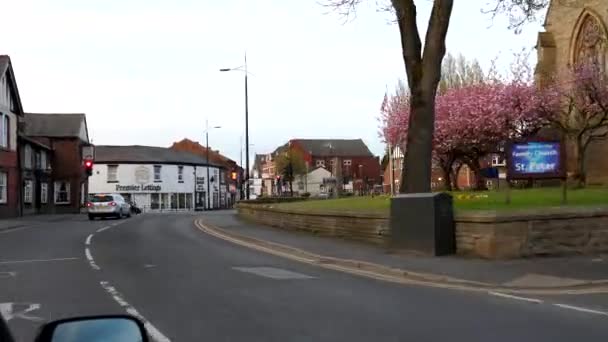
(423, 60)
(578, 101)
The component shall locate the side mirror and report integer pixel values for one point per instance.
(115, 328)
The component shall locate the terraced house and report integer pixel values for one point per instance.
(11, 112)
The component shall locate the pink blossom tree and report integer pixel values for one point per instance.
(578, 101)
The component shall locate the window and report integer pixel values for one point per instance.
(157, 173)
(27, 162)
(44, 193)
(62, 192)
(112, 173)
(348, 162)
(27, 191)
(43, 164)
(222, 177)
(180, 174)
(4, 130)
(3, 186)
(37, 161)
(320, 163)
(497, 160)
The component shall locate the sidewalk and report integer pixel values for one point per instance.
(534, 272)
(32, 220)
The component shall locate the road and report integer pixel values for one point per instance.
(189, 286)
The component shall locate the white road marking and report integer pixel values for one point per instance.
(10, 274)
(34, 260)
(149, 266)
(526, 299)
(87, 252)
(103, 228)
(578, 308)
(273, 273)
(154, 333)
(10, 230)
(88, 241)
(10, 311)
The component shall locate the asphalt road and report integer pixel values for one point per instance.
(189, 286)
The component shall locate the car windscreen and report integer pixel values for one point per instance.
(102, 198)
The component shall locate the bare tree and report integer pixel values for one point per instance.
(423, 70)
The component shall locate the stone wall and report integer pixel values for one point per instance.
(362, 227)
(493, 235)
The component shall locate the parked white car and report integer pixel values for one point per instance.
(108, 205)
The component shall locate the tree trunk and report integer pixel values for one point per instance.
(416, 171)
(423, 69)
(579, 176)
(447, 178)
(290, 188)
(480, 183)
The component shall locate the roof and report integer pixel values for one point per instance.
(55, 125)
(196, 148)
(6, 67)
(334, 147)
(146, 154)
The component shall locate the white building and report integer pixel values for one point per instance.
(158, 178)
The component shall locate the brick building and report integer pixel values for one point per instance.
(64, 135)
(228, 166)
(358, 166)
(11, 112)
(576, 31)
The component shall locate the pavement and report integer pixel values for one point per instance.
(190, 286)
(32, 220)
(543, 272)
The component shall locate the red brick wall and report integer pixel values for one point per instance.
(8, 163)
(67, 165)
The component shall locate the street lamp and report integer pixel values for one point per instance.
(207, 128)
(244, 69)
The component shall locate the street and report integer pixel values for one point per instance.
(189, 286)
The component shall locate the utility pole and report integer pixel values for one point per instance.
(208, 164)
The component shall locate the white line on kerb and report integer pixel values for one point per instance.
(34, 260)
(103, 228)
(154, 333)
(578, 308)
(88, 242)
(526, 299)
(87, 252)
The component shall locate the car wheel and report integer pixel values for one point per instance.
(91, 217)
(129, 214)
(119, 215)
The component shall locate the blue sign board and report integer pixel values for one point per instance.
(535, 159)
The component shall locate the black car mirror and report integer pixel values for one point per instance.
(115, 328)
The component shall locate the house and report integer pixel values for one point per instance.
(234, 174)
(159, 178)
(347, 159)
(62, 137)
(11, 113)
(36, 176)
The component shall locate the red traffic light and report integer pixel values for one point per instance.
(233, 175)
(88, 164)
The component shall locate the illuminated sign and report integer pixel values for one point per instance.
(535, 159)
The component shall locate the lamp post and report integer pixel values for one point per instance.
(244, 69)
(208, 162)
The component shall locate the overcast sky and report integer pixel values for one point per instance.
(146, 71)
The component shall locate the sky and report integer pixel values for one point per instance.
(146, 72)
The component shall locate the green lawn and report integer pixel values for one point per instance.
(484, 200)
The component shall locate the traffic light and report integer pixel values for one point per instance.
(88, 167)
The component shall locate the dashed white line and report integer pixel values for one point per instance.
(87, 252)
(578, 308)
(34, 260)
(154, 333)
(88, 241)
(526, 299)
